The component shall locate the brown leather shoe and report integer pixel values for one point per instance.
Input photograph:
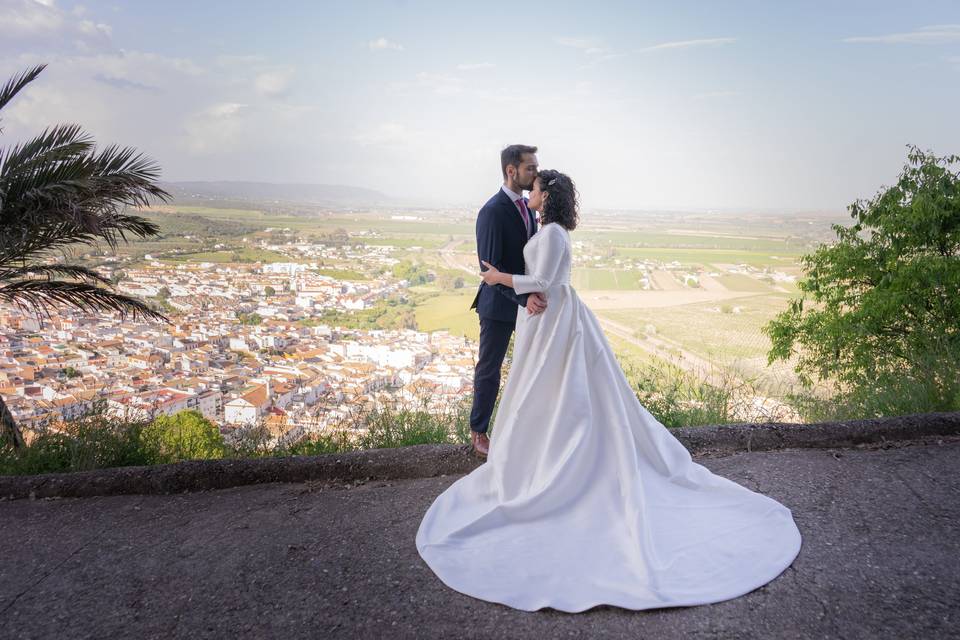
(481, 444)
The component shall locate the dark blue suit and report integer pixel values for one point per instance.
(501, 237)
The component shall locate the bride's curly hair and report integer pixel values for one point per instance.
(563, 204)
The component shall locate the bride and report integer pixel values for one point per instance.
(585, 498)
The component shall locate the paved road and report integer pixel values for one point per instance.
(448, 254)
(880, 559)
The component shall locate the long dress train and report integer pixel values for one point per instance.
(585, 497)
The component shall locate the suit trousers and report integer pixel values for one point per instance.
(494, 339)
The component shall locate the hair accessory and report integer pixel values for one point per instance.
(550, 184)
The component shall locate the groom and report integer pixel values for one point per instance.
(503, 227)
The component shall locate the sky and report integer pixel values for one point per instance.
(722, 104)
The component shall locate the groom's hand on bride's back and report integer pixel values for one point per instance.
(536, 303)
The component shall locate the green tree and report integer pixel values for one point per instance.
(269, 291)
(186, 435)
(58, 190)
(413, 273)
(885, 324)
(249, 318)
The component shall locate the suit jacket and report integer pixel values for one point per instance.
(501, 237)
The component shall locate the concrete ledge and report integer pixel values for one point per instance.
(428, 460)
(731, 438)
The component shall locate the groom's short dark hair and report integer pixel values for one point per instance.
(514, 155)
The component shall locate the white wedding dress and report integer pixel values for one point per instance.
(585, 498)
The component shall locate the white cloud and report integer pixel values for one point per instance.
(39, 105)
(68, 91)
(595, 51)
(123, 83)
(273, 83)
(246, 70)
(475, 66)
(28, 18)
(224, 110)
(206, 118)
(576, 43)
(91, 28)
(599, 54)
(43, 24)
(134, 65)
(688, 44)
(441, 83)
(935, 34)
(238, 60)
(482, 88)
(216, 129)
(382, 44)
(387, 134)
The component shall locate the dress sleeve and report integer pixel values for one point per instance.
(546, 263)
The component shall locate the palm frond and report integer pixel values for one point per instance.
(49, 270)
(125, 169)
(38, 295)
(80, 199)
(30, 242)
(58, 190)
(117, 226)
(18, 82)
(56, 144)
(20, 244)
(45, 176)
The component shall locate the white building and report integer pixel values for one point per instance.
(248, 408)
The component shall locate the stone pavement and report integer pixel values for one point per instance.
(320, 559)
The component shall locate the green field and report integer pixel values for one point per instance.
(630, 354)
(791, 288)
(451, 312)
(653, 239)
(403, 242)
(398, 233)
(708, 257)
(740, 282)
(399, 227)
(342, 274)
(606, 279)
(156, 246)
(245, 255)
(209, 212)
(714, 334)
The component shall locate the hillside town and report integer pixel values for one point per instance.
(231, 351)
(247, 344)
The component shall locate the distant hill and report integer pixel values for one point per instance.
(324, 194)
